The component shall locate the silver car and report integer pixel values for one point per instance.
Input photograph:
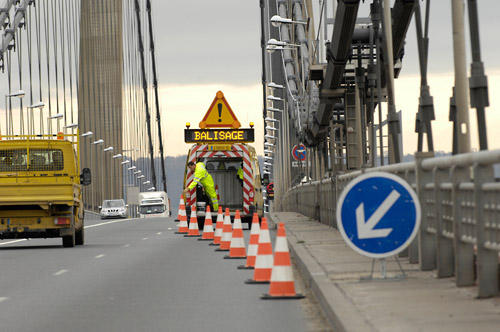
(113, 208)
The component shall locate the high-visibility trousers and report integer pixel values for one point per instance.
(208, 185)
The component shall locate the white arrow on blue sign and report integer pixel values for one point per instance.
(378, 214)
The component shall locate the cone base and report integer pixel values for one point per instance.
(192, 235)
(251, 281)
(243, 267)
(229, 257)
(213, 244)
(176, 220)
(180, 232)
(219, 249)
(282, 297)
(205, 240)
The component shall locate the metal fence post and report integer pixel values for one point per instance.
(444, 246)
(464, 252)
(487, 260)
(426, 240)
(413, 248)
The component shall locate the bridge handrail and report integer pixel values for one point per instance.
(460, 219)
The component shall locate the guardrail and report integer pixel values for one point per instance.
(460, 226)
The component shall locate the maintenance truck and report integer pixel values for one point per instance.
(223, 147)
(41, 187)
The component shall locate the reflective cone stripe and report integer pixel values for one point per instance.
(193, 224)
(227, 229)
(253, 243)
(282, 282)
(264, 259)
(237, 245)
(218, 226)
(181, 207)
(182, 226)
(208, 228)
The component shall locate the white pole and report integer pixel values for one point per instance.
(461, 82)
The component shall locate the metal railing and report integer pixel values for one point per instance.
(460, 226)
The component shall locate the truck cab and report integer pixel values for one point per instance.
(40, 188)
(154, 204)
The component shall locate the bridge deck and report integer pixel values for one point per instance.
(421, 302)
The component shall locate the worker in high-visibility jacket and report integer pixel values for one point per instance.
(240, 173)
(203, 178)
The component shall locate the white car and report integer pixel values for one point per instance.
(113, 208)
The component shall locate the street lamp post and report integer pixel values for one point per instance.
(8, 112)
(99, 141)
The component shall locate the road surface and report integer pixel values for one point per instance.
(136, 275)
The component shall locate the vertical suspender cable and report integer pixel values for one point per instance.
(145, 88)
(157, 103)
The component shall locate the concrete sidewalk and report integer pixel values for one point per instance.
(420, 302)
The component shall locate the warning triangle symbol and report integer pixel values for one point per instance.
(219, 114)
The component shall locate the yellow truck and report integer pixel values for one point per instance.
(41, 188)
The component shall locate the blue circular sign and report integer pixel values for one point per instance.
(378, 214)
(299, 152)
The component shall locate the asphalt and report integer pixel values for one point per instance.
(134, 275)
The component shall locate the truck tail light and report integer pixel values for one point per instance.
(62, 221)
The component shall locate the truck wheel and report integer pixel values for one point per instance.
(79, 236)
(69, 240)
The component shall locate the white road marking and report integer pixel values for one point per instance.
(58, 273)
(9, 242)
(106, 223)
(100, 256)
(3, 299)
(170, 228)
(89, 226)
(127, 245)
(145, 238)
(159, 233)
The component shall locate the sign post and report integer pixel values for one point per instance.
(378, 215)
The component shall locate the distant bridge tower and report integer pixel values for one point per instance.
(100, 95)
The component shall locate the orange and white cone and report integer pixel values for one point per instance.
(193, 224)
(282, 284)
(264, 260)
(237, 245)
(227, 231)
(208, 228)
(218, 228)
(182, 226)
(253, 244)
(181, 206)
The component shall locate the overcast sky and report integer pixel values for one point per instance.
(204, 46)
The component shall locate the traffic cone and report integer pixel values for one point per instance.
(218, 228)
(208, 228)
(253, 244)
(282, 284)
(237, 245)
(182, 226)
(225, 240)
(181, 206)
(193, 224)
(264, 259)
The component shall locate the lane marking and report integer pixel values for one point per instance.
(159, 233)
(106, 223)
(100, 256)
(85, 227)
(127, 245)
(145, 238)
(3, 299)
(9, 242)
(58, 273)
